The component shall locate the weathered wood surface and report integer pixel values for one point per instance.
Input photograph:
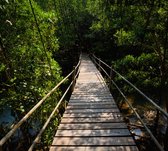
(94, 148)
(93, 141)
(94, 115)
(91, 126)
(92, 120)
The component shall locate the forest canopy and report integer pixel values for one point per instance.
(40, 41)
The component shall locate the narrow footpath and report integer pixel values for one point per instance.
(92, 120)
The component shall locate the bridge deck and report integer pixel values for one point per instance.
(92, 120)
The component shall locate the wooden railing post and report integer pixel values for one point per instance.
(94, 59)
(99, 68)
(73, 78)
(111, 77)
(1, 148)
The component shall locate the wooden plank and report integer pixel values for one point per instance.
(100, 82)
(85, 126)
(90, 133)
(90, 103)
(92, 110)
(85, 94)
(93, 148)
(93, 115)
(91, 120)
(92, 93)
(90, 88)
(89, 96)
(85, 65)
(86, 80)
(94, 86)
(89, 99)
(109, 106)
(89, 65)
(86, 70)
(93, 141)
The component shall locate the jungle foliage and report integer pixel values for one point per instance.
(27, 70)
(40, 41)
(132, 36)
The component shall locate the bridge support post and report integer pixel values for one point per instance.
(1, 148)
(99, 65)
(73, 79)
(111, 77)
(94, 60)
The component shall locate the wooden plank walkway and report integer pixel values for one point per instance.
(92, 120)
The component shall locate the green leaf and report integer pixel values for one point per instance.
(7, 1)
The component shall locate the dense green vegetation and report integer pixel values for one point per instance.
(40, 41)
(27, 70)
(134, 39)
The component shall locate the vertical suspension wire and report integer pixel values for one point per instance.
(41, 38)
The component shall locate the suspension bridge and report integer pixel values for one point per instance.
(91, 121)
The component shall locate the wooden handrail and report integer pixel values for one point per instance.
(16, 126)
